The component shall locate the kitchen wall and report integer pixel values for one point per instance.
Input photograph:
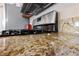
(14, 20)
(67, 12)
(1, 17)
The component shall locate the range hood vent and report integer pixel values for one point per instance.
(34, 8)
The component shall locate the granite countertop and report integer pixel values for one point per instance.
(50, 44)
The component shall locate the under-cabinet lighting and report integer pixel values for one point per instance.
(19, 4)
(77, 24)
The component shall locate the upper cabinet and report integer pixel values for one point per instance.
(48, 18)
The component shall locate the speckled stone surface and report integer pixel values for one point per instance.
(40, 44)
(53, 44)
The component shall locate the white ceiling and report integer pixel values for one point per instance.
(1, 5)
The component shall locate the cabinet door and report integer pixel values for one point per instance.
(52, 17)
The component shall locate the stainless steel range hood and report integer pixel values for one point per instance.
(34, 8)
